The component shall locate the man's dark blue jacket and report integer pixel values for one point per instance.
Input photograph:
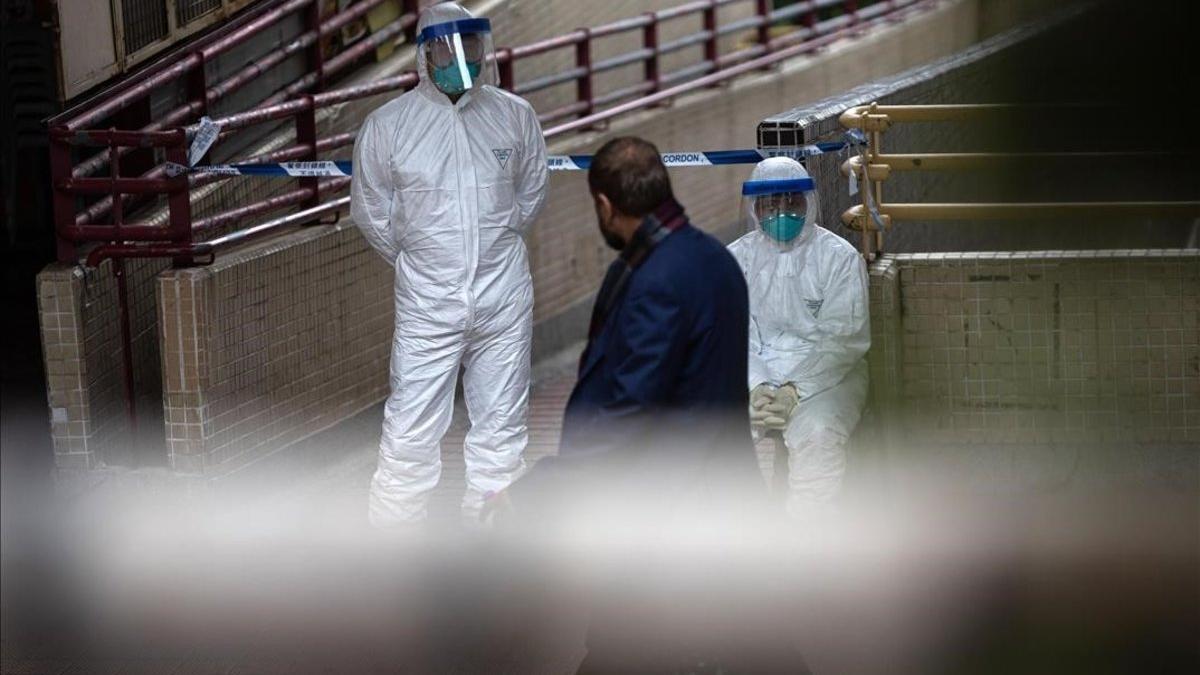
(657, 434)
(660, 406)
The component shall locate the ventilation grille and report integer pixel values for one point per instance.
(145, 22)
(188, 10)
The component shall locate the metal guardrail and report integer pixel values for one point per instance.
(75, 222)
(873, 167)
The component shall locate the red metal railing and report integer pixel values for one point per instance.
(75, 221)
(79, 223)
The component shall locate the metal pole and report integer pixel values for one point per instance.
(851, 9)
(650, 43)
(876, 150)
(964, 161)
(410, 32)
(583, 59)
(197, 88)
(1019, 210)
(63, 201)
(762, 9)
(865, 180)
(306, 135)
(891, 114)
(126, 344)
(507, 75)
(711, 47)
(118, 211)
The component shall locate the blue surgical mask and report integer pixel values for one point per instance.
(449, 79)
(783, 227)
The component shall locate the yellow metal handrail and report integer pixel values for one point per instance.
(874, 167)
(959, 161)
(1002, 211)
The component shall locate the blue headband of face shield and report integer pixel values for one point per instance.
(462, 27)
(755, 188)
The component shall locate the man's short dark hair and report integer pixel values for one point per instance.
(629, 171)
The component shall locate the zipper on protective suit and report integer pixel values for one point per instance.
(470, 217)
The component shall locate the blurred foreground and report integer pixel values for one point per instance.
(908, 576)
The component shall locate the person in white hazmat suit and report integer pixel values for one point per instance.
(447, 177)
(809, 330)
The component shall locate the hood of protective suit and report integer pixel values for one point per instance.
(443, 12)
(783, 168)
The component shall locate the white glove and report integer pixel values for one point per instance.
(779, 410)
(760, 397)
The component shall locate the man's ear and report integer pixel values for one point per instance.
(604, 207)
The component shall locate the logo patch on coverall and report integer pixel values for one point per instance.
(814, 306)
(502, 155)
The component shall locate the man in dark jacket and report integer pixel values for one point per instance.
(656, 446)
(659, 412)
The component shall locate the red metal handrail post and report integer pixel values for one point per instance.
(118, 219)
(411, 7)
(306, 136)
(63, 201)
(711, 47)
(306, 120)
(316, 55)
(126, 346)
(650, 43)
(892, 8)
(114, 171)
(762, 9)
(179, 200)
(504, 61)
(583, 85)
(851, 8)
(197, 85)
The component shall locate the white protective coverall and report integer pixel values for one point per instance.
(809, 326)
(444, 191)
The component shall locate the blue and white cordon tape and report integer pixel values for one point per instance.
(710, 158)
(284, 169)
(554, 162)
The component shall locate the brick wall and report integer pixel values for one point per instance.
(887, 345)
(271, 344)
(1060, 349)
(83, 354)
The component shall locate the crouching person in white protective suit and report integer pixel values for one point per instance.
(809, 330)
(447, 177)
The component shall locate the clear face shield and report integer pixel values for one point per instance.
(781, 209)
(458, 55)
